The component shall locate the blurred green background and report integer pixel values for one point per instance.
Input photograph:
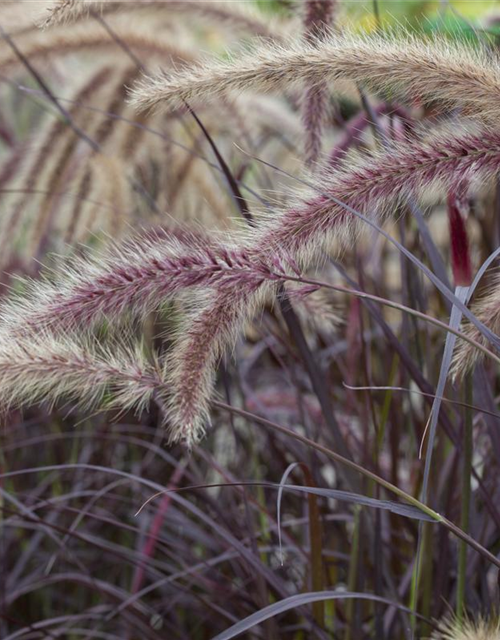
(458, 18)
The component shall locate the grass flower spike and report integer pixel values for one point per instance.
(318, 19)
(487, 310)
(45, 369)
(429, 71)
(130, 279)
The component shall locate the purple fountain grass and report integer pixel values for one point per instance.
(203, 338)
(378, 180)
(372, 184)
(138, 275)
(318, 18)
(133, 278)
(314, 115)
(42, 368)
(92, 339)
(434, 70)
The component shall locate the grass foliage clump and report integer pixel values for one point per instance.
(249, 323)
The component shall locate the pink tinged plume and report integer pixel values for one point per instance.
(132, 278)
(465, 153)
(314, 116)
(318, 18)
(459, 241)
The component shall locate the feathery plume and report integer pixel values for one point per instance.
(374, 183)
(134, 277)
(103, 129)
(109, 178)
(314, 114)
(243, 17)
(486, 310)
(219, 317)
(316, 309)
(42, 368)
(430, 70)
(318, 18)
(202, 340)
(62, 11)
(481, 629)
(39, 231)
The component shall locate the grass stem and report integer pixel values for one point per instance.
(466, 497)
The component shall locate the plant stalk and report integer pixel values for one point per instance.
(466, 497)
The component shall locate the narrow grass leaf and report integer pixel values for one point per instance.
(297, 601)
